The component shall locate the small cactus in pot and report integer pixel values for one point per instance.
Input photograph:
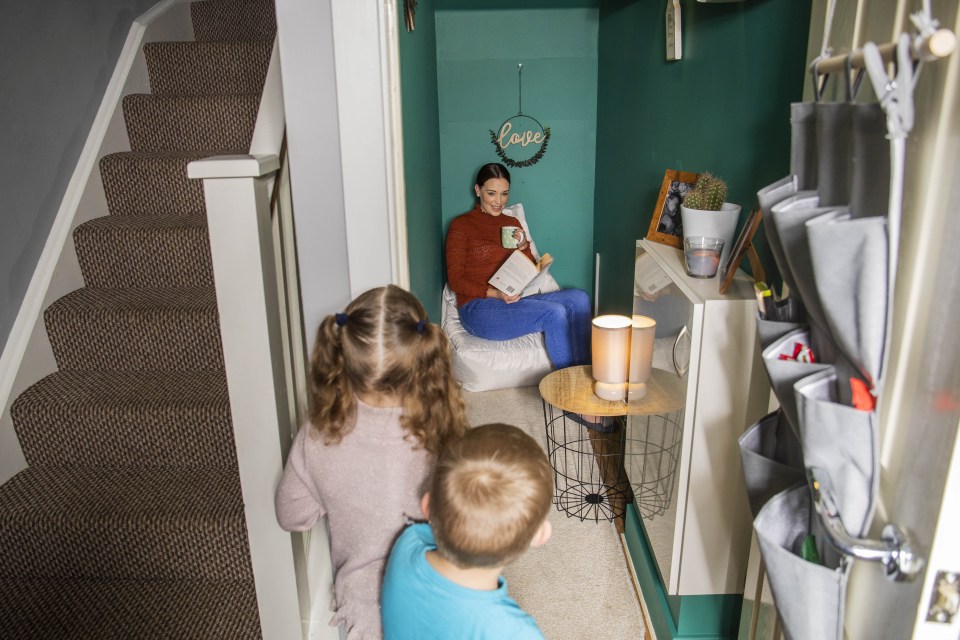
(708, 193)
(704, 213)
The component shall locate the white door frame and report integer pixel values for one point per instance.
(367, 63)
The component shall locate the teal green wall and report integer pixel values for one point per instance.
(620, 115)
(693, 617)
(421, 162)
(723, 108)
(477, 57)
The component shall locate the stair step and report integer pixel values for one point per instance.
(218, 20)
(154, 182)
(144, 251)
(207, 68)
(151, 524)
(54, 609)
(183, 123)
(129, 520)
(127, 419)
(136, 329)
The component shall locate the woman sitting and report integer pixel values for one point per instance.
(475, 252)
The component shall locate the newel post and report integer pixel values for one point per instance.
(241, 244)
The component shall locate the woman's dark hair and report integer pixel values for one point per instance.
(492, 170)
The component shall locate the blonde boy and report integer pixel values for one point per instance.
(488, 502)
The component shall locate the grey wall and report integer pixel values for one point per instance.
(56, 58)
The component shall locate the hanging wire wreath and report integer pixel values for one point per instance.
(520, 163)
(495, 136)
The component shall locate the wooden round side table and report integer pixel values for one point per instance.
(628, 449)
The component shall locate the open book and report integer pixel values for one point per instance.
(519, 274)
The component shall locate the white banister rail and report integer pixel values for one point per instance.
(237, 192)
(254, 268)
(268, 130)
(252, 244)
(241, 245)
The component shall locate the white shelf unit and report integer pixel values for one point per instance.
(701, 545)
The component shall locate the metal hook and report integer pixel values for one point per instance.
(520, 89)
(847, 72)
(818, 85)
(851, 82)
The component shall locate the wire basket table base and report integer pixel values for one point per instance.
(600, 468)
(651, 457)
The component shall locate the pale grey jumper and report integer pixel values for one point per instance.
(367, 485)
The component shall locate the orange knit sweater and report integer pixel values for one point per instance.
(474, 252)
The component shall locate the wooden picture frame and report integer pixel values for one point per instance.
(665, 226)
(743, 246)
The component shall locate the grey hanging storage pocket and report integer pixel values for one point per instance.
(809, 596)
(769, 197)
(803, 204)
(803, 145)
(855, 305)
(777, 192)
(784, 374)
(790, 217)
(771, 458)
(769, 331)
(842, 441)
(834, 152)
(870, 174)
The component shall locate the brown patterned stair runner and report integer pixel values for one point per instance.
(129, 522)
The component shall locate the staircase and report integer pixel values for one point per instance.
(129, 520)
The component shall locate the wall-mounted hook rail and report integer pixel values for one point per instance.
(939, 44)
(898, 557)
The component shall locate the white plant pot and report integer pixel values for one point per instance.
(712, 224)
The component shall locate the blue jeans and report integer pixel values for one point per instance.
(563, 317)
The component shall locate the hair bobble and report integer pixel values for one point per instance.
(342, 319)
(421, 326)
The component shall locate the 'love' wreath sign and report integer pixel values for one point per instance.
(521, 140)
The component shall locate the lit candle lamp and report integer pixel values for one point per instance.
(610, 337)
(641, 356)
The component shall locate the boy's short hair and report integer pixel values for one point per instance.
(491, 491)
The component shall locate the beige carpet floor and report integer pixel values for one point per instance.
(578, 585)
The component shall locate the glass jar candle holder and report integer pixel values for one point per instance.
(702, 256)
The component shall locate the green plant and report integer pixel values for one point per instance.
(708, 193)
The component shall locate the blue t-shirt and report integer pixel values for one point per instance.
(420, 603)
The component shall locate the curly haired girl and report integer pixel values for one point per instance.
(383, 405)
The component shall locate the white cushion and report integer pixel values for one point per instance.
(483, 365)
